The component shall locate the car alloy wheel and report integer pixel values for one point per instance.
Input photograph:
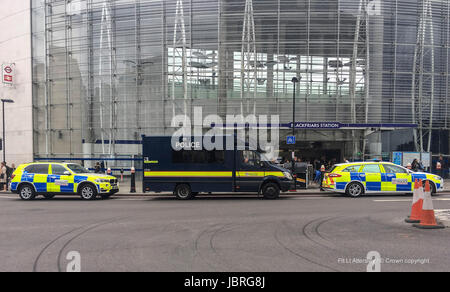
(88, 193)
(354, 190)
(27, 193)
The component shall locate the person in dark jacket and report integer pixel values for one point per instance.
(98, 168)
(415, 166)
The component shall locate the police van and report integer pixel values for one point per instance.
(188, 171)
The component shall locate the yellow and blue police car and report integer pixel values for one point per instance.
(356, 179)
(50, 179)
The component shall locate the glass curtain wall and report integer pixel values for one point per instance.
(108, 71)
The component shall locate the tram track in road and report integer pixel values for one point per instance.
(296, 252)
(84, 229)
(315, 236)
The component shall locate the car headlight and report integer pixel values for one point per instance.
(287, 175)
(437, 178)
(102, 180)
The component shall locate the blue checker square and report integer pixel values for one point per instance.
(67, 189)
(402, 188)
(79, 179)
(373, 186)
(357, 177)
(27, 177)
(14, 186)
(41, 187)
(341, 185)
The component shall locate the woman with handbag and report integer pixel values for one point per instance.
(3, 176)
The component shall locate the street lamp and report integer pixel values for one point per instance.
(295, 80)
(3, 110)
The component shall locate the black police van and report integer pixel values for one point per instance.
(188, 172)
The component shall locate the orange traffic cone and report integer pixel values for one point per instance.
(417, 204)
(427, 218)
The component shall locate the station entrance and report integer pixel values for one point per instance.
(329, 152)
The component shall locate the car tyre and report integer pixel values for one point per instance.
(183, 192)
(271, 191)
(87, 192)
(27, 193)
(432, 189)
(355, 190)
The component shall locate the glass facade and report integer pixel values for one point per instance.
(107, 71)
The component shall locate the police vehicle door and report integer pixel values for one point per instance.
(249, 172)
(397, 179)
(59, 181)
(371, 174)
(37, 174)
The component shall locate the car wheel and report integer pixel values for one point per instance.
(183, 192)
(355, 190)
(49, 196)
(271, 191)
(88, 192)
(26, 193)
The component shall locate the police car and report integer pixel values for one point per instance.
(50, 179)
(356, 179)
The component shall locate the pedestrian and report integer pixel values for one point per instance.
(322, 175)
(415, 165)
(98, 168)
(440, 166)
(3, 176)
(346, 161)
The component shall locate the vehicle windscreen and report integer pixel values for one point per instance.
(76, 168)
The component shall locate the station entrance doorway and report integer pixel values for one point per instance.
(328, 152)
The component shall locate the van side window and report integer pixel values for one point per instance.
(198, 157)
(250, 158)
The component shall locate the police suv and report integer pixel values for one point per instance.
(50, 179)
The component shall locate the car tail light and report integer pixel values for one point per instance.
(334, 175)
(13, 176)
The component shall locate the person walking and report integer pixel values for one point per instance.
(322, 176)
(3, 177)
(440, 166)
(415, 165)
(98, 168)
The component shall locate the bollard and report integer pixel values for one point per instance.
(133, 180)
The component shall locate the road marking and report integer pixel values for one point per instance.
(409, 200)
(6, 197)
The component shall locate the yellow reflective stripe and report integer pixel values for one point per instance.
(250, 173)
(188, 173)
(211, 174)
(274, 173)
